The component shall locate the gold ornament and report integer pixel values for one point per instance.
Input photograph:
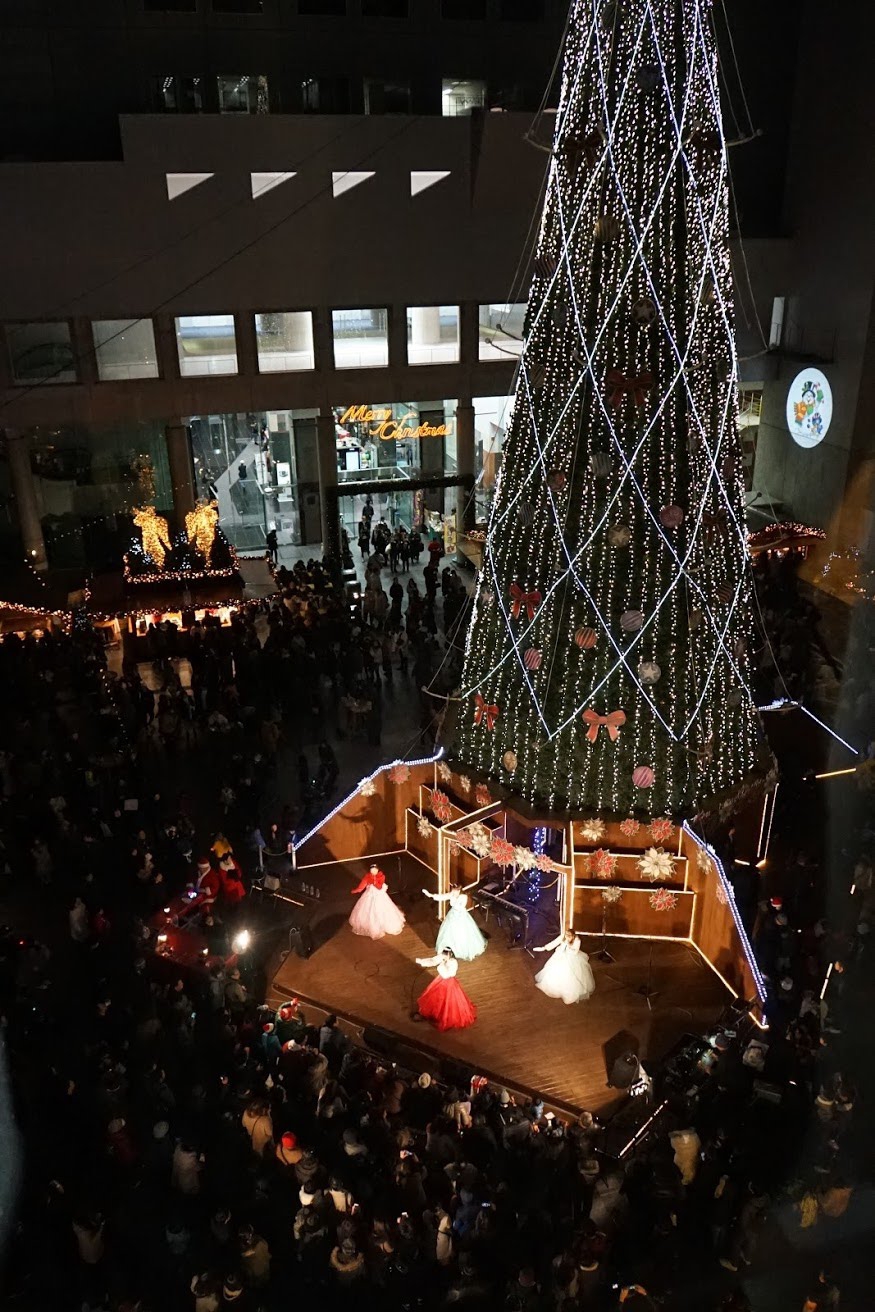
(200, 527)
(156, 534)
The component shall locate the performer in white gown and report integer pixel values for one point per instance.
(567, 974)
(459, 930)
(375, 914)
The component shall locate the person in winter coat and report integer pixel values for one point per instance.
(290, 1022)
(206, 1294)
(254, 1258)
(347, 1263)
(186, 1171)
(270, 1044)
(79, 929)
(257, 1123)
(89, 1238)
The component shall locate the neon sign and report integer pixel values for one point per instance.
(383, 425)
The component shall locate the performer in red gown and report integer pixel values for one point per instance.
(375, 914)
(445, 1002)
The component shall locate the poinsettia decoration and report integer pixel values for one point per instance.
(703, 860)
(465, 784)
(480, 839)
(656, 864)
(425, 827)
(440, 805)
(481, 795)
(612, 893)
(502, 852)
(544, 862)
(367, 788)
(524, 858)
(602, 863)
(462, 837)
(629, 827)
(722, 893)
(663, 899)
(399, 774)
(661, 830)
(444, 771)
(592, 830)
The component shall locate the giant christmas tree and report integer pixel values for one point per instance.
(606, 668)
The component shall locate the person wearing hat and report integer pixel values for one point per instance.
(254, 1258)
(270, 1043)
(234, 1296)
(208, 883)
(288, 1154)
(290, 1022)
(421, 1102)
(347, 1263)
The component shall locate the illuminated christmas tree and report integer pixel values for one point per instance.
(607, 664)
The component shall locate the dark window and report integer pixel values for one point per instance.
(384, 8)
(386, 97)
(463, 9)
(176, 95)
(522, 11)
(322, 8)
(170, 6)
(238, 6)
(325, 95)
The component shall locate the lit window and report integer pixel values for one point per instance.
(243, 93)
(41, 353)
(361, 339)
(501, 331)
(386, 97)
(125, 349)
(285, 341)
(207, 344)
(432, 334)
(459, 96)
(176, 95)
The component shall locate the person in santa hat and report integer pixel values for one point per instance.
(270, 1043)
(208, 883)
(290, 1022)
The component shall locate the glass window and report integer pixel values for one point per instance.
(325, 95)
(501, 331)
(384, 8)
(243, 93)
(469, 9)
(522, 11)
(125, 349)
(322, 8)
(238, 6)
(361, 339)
(207, 344)
(386, 97)
(175, 95)
(41, 353)
(461, 95)
(432, 334)
(285, 341)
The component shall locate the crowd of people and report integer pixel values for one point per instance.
(187, 1144)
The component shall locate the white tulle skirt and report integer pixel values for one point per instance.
(567, 975)
(460, 932)
(375, 914)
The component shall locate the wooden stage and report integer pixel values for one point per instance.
(531, 1043)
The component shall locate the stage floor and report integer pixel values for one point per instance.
(521, 1038)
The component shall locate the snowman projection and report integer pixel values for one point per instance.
(809, 408)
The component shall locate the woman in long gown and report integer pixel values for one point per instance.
(445, 1002)
(375, 914)
(458, 930)
(567, 974)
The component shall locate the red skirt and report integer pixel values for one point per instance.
(447, 1004)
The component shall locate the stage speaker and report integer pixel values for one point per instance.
(300, 941)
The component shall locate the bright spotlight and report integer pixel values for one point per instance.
(241, 941)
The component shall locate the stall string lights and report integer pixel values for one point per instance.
(619, 505)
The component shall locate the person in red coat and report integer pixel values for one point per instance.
(233, 888)
(375, 914)
(209, 884)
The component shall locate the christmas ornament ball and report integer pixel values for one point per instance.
(671, 516)
(607, 228)
(734, 698)
(600, 464)
(631, 621)
(509, 760)
(556, 480)
(695, 620)
(525, 514)
(487, 597)
(532, 658)
(724, 593)
(644, 311)
(586, 638)
(619, 535)
(649, 673)
(642, 776)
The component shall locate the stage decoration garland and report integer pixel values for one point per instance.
(543, 862)
(663, 899)
(629, 827)
(480, 839)
(656, 864)
(602, 863)
(463, 838)
(592, 830)
(441, 806)
(612, 893)
(399, 774)
(524, 858)
(502, 852)
(661, 830)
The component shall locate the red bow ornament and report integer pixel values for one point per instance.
(584, 149)
(613, 722)
(484, 710)
(518, 599)
(620, 385)
(714, 526)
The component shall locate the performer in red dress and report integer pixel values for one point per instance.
(445, 1001)
(375, 914)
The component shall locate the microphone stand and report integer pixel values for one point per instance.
(603, 954)
(646, 990)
